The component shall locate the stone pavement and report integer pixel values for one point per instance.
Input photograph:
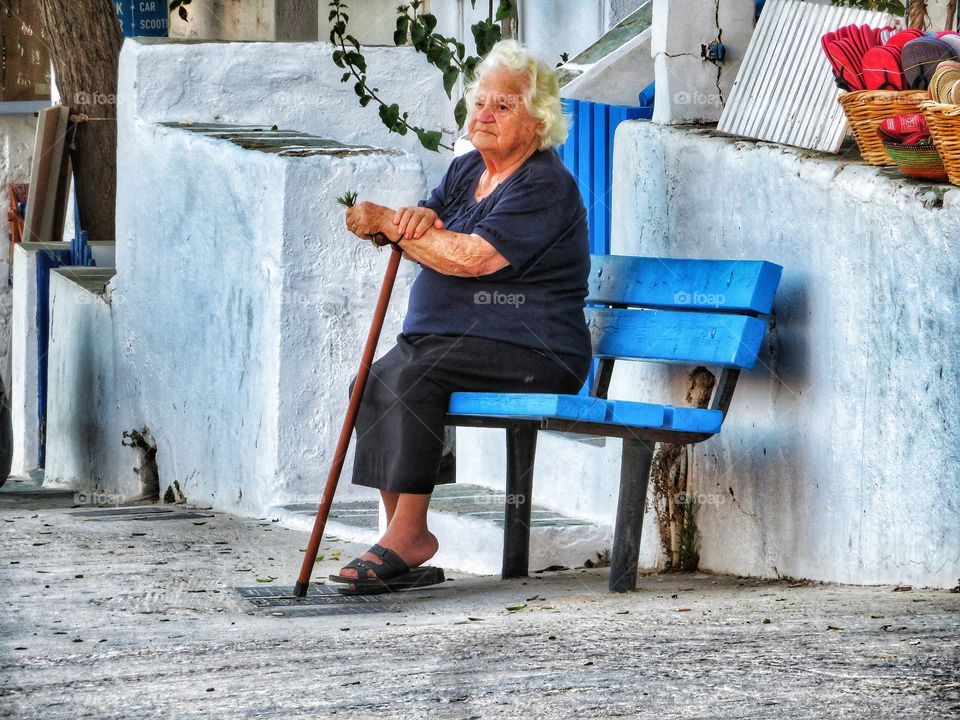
(111, 616)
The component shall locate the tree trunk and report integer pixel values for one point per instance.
(85, 48)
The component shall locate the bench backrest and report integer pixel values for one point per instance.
(705, 312)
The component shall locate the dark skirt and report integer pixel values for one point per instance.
(400, 424)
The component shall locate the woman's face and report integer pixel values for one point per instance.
(499, 121)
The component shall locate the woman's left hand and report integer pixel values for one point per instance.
(367, 219)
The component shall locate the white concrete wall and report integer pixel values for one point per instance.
(617, 79)
(17, 133)
(23, 358)
(838, 460)
(24, 384)
(238, 307)
(331, 282)
(283, 20)
(690, 89)
(196, 303)
(81, 378)
(292, 85)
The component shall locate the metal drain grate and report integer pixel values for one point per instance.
(140, 513)
(320, 600)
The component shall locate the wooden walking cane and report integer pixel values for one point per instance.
(303, 582)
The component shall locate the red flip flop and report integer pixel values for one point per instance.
(881, 69)
(846, 64)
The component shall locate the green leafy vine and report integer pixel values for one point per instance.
(447, 54)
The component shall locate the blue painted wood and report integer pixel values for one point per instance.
(676, 337)
(46, 260)
(575, 407)
(638, 414)
(646, 98)
(588, 153)
(80, 253)
(528, 405)
(688, 284)
(600, 210)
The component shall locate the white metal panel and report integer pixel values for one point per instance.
(785, 91)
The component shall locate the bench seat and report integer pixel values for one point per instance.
(691, 312)
(627, 413)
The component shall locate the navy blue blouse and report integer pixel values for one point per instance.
(536, 220)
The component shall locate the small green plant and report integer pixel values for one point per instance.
(689, 538)
(181, 7)
(348, 199)
(604, 558)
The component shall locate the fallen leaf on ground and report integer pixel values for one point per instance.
(515, 608)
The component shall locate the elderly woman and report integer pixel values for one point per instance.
(497, 306)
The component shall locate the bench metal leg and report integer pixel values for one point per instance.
(634, 477)
(521, 450)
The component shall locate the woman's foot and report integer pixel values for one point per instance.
(414, 550)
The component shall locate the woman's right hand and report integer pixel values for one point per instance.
(413, 222)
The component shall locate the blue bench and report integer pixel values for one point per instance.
(690, 312)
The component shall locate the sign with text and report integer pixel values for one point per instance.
(142, 17)
(24, 53)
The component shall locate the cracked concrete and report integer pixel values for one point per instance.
(137, 618)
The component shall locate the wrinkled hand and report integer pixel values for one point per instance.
(413, 222)
(372, 222)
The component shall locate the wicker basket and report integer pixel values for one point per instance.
(865, 109)
(919, 161)
(944, 123)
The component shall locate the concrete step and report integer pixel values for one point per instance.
(468, 521)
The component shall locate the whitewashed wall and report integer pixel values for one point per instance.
(24, 416)
(838, 460)
(84, 423)
(24, 385)
(689, 88)
(292, 85)
(240, 301)
(238, 308)
(17, 133)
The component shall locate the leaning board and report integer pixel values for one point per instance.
(784, 91)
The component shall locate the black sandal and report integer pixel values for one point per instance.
(392, 573)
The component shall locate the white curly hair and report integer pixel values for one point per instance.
(542, 94)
